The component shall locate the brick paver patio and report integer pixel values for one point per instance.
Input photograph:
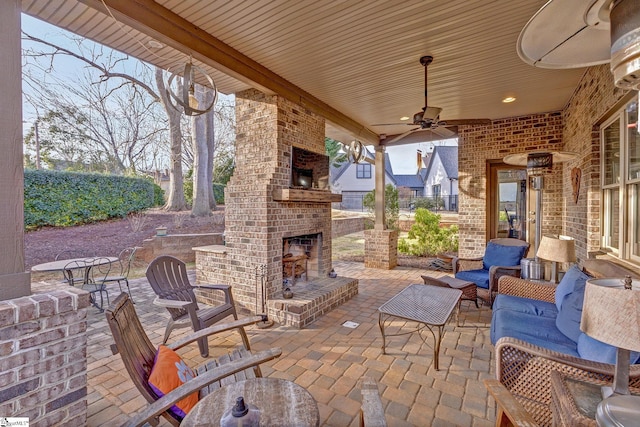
(328, 359)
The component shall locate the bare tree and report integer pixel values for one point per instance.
(175, 198)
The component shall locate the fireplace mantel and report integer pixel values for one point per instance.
(309, 196)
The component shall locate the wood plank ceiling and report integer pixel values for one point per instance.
(358, 57)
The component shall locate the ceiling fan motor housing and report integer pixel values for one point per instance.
(625, 43)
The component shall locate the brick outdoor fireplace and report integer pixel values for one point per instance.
(277, 200)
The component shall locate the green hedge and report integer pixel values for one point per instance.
(218, 191)
(70, 198)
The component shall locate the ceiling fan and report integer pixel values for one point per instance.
(428, 119)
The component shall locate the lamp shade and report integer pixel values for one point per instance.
(557, 249)
(611, 313)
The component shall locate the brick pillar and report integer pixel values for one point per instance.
(381, 249)
(43, 358)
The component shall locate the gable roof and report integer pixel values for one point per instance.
(411, 181)
(336, 172)
(449, 157)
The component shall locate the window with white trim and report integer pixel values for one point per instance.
(621, 183)
(363, 171)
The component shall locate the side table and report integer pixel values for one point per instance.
(281, 403)
(574, 400)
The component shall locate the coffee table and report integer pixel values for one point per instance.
(428, 305)
(281, 403)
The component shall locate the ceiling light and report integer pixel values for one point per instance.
(155, 44)
(404, 118)
(509, 99)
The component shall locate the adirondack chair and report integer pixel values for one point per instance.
(138, 354)
(168, 278)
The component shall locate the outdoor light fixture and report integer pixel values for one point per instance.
(184, 99)
(508, 99)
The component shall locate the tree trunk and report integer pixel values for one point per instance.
(211, 145)
(175, 198)
(201, 179)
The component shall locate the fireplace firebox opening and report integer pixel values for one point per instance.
(301, 256)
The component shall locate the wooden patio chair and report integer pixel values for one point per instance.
(138, 354)
(168, 278)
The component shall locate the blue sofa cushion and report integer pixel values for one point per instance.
(569, 316)
(592, 349)
(531, 328)
(573, 277)
(525, 305)
(502, 255)
(479, 277)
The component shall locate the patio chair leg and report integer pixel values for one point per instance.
(203, 343)
(126, 281)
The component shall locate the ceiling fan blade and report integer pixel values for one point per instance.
(416, 136)
(443, 132)
(459, 122)
(392, 124)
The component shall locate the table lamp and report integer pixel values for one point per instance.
(556, 249)
(611, 314)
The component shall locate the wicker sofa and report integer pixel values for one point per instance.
(525, 367)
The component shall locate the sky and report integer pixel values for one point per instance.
(403, 158)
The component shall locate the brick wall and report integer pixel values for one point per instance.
(177, 245)
(43, 364)
(575, 129)
(267, 129)
(478, 145)
(344, 226)
(592, 101)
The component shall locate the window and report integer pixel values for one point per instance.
(621, 183)
(436, 190)
(363, 171)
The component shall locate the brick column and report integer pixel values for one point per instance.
(43, 358)
(381, 249)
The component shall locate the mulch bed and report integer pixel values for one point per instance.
(108, 238)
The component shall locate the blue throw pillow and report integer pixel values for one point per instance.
(569, 316)
(571, 279)
(592, 349)
(502, 255)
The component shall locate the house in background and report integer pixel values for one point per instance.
(436, 179)
(441, 177)
(354, 180)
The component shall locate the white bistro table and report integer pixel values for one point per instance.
(428, 305)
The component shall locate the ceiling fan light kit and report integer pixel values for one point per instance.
(429, 118)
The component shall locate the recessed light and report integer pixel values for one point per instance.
(509, 99)
(404, 118)
(155, 44)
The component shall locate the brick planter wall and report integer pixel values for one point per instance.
(43, 369)
(381, 249)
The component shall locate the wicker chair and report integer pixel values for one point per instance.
(168, 278)
(138, 355)
(525, 369)
(494, 272)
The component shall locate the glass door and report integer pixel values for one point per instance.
(507, 201)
